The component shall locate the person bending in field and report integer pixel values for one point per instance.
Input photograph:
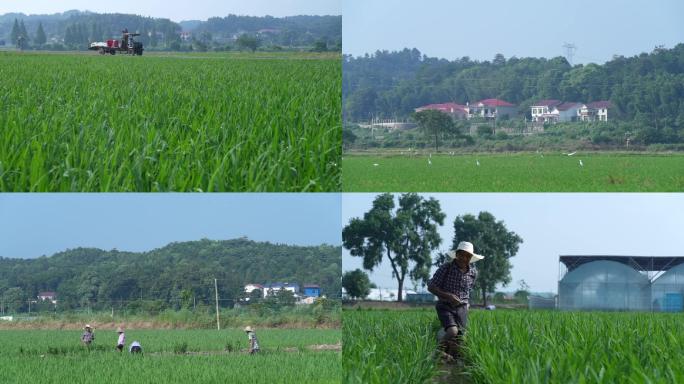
(88, 336)
(135, 347)
(122, 339)
(253, 342)
(452, 283)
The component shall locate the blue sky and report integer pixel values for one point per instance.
(553, 224)
(530, 28)
(179, 10)
(32, 225)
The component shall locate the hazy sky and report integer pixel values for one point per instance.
(553, 224)
(38, 224)
(536, 28)
(179, 10)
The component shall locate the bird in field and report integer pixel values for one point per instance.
(581, 163)
(477, 162)
(376, 164)
(429, 162)
(572, 153)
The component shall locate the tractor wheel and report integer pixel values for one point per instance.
(101, 51)
(138, 49)
(112, 52)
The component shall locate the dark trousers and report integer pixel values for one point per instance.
(450, 315)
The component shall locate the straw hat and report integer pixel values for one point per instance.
(467, 247)
(87, 326)
(119, 330)
(248, 329)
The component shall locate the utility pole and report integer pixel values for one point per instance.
(218, 323)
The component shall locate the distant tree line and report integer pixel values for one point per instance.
(647, 89)
(75, 30)
(177, 274)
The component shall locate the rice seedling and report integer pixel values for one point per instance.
(598, 172)
(518, 347)
(216, 122)
(54, 356)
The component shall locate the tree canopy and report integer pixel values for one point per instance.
(356, 283)
(434, 123)
(96, 278)
(406, 236)
(492, 239)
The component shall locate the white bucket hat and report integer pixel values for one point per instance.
(248, 329)
(468, 247)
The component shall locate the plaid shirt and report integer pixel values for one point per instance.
(449, 278)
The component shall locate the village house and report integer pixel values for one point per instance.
(541, 108)
(594, 111)
(456, 111)
(311, 290)
(490, 109)
(555, 111)
(48, 296)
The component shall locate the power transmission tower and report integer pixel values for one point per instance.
(569, 51)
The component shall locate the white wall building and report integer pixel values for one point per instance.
(541, 108)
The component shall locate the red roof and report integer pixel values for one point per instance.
(567, 105)
(600, 104)
(495, 103)
(546, 103)
(47, 293)
(444, 107)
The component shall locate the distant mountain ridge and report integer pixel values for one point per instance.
(96, 277)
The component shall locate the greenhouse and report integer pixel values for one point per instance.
(621, 283)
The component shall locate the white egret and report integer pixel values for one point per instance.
(581, 163)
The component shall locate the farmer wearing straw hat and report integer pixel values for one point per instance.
(88, 336)
(122, 339)
(253, 342)
(452, 283)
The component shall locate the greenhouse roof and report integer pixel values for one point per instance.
(639, 263)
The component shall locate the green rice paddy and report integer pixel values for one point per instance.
(599, 172)
(209, 122)
(170, 356)
(516, 347)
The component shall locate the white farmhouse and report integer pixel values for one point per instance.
(595, 111)
(541, 108)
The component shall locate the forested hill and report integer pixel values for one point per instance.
(648, 88)
(75, 29)
(96, 276)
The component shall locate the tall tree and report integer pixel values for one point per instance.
(14, 36)
(406, 236)
(246, 41)
(40, 35)
(356, 283)
(23, 32)
(493, 240)
(434, 123)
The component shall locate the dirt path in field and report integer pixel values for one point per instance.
(451, 373)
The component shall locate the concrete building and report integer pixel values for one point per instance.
(542, 107)
(490, 109)
(595, 111)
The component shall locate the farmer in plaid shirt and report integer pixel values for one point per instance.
(452, 283)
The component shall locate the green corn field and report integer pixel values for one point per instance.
(171, 356)
(210, 122)
(517, 347)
